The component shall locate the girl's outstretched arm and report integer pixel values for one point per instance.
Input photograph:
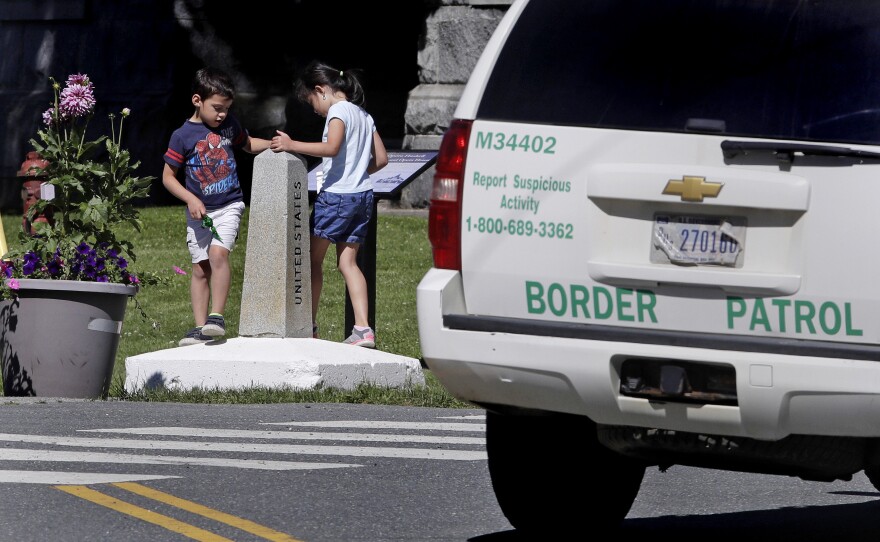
(335, 134)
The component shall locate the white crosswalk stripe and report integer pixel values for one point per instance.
(358, 424)
(287, 435)
(71, 478)
(21, 454)
(355, 451)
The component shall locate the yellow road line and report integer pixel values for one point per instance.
(216, 515)
(165, 522)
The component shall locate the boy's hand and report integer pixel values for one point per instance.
(196, 208)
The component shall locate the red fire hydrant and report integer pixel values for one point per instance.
(32, 169)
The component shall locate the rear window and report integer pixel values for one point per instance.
(782, 69)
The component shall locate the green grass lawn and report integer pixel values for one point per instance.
(159, 316)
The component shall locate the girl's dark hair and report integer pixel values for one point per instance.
(317, 74)
(210, 81)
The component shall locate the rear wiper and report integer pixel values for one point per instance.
(785, 153)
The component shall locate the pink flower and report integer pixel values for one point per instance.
(178, 270)
(48, 116)
(79, 79)
(77, 98)
(13, 284)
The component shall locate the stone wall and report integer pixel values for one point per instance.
(455, 35)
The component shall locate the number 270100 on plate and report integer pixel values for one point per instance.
(698, 240)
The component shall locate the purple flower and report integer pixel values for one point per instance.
(80, 79)
(102, 278)
(77, 98)
(31, 262)
(83, 249)
(49, 116)
(54, 267)
(13, 284)
(121, 263)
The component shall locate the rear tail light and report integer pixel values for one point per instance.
(444, 214)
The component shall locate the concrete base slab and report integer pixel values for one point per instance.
(245, 362)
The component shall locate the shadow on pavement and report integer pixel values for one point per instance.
(850, 522)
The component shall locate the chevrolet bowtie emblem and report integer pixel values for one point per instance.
(692, 188)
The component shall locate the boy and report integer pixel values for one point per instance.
(204, 146)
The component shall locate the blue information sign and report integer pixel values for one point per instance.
(403, 167)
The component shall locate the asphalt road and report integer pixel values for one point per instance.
(114, 470)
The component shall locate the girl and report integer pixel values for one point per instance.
(351, 149)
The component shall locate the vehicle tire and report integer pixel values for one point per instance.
(551, 475)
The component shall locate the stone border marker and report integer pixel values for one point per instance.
(276, 296)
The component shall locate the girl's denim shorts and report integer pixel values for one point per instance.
(342, 218)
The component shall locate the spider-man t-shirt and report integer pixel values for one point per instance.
(210, 163)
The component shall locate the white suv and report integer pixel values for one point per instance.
(654, 243)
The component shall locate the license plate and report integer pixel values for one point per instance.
(698, 240)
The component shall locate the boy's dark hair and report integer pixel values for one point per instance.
(210, 81)
(317, 73)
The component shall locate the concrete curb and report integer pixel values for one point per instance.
(246, 362)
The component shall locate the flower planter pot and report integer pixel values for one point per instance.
(59, 338)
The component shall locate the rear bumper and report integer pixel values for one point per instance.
(782, 388)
